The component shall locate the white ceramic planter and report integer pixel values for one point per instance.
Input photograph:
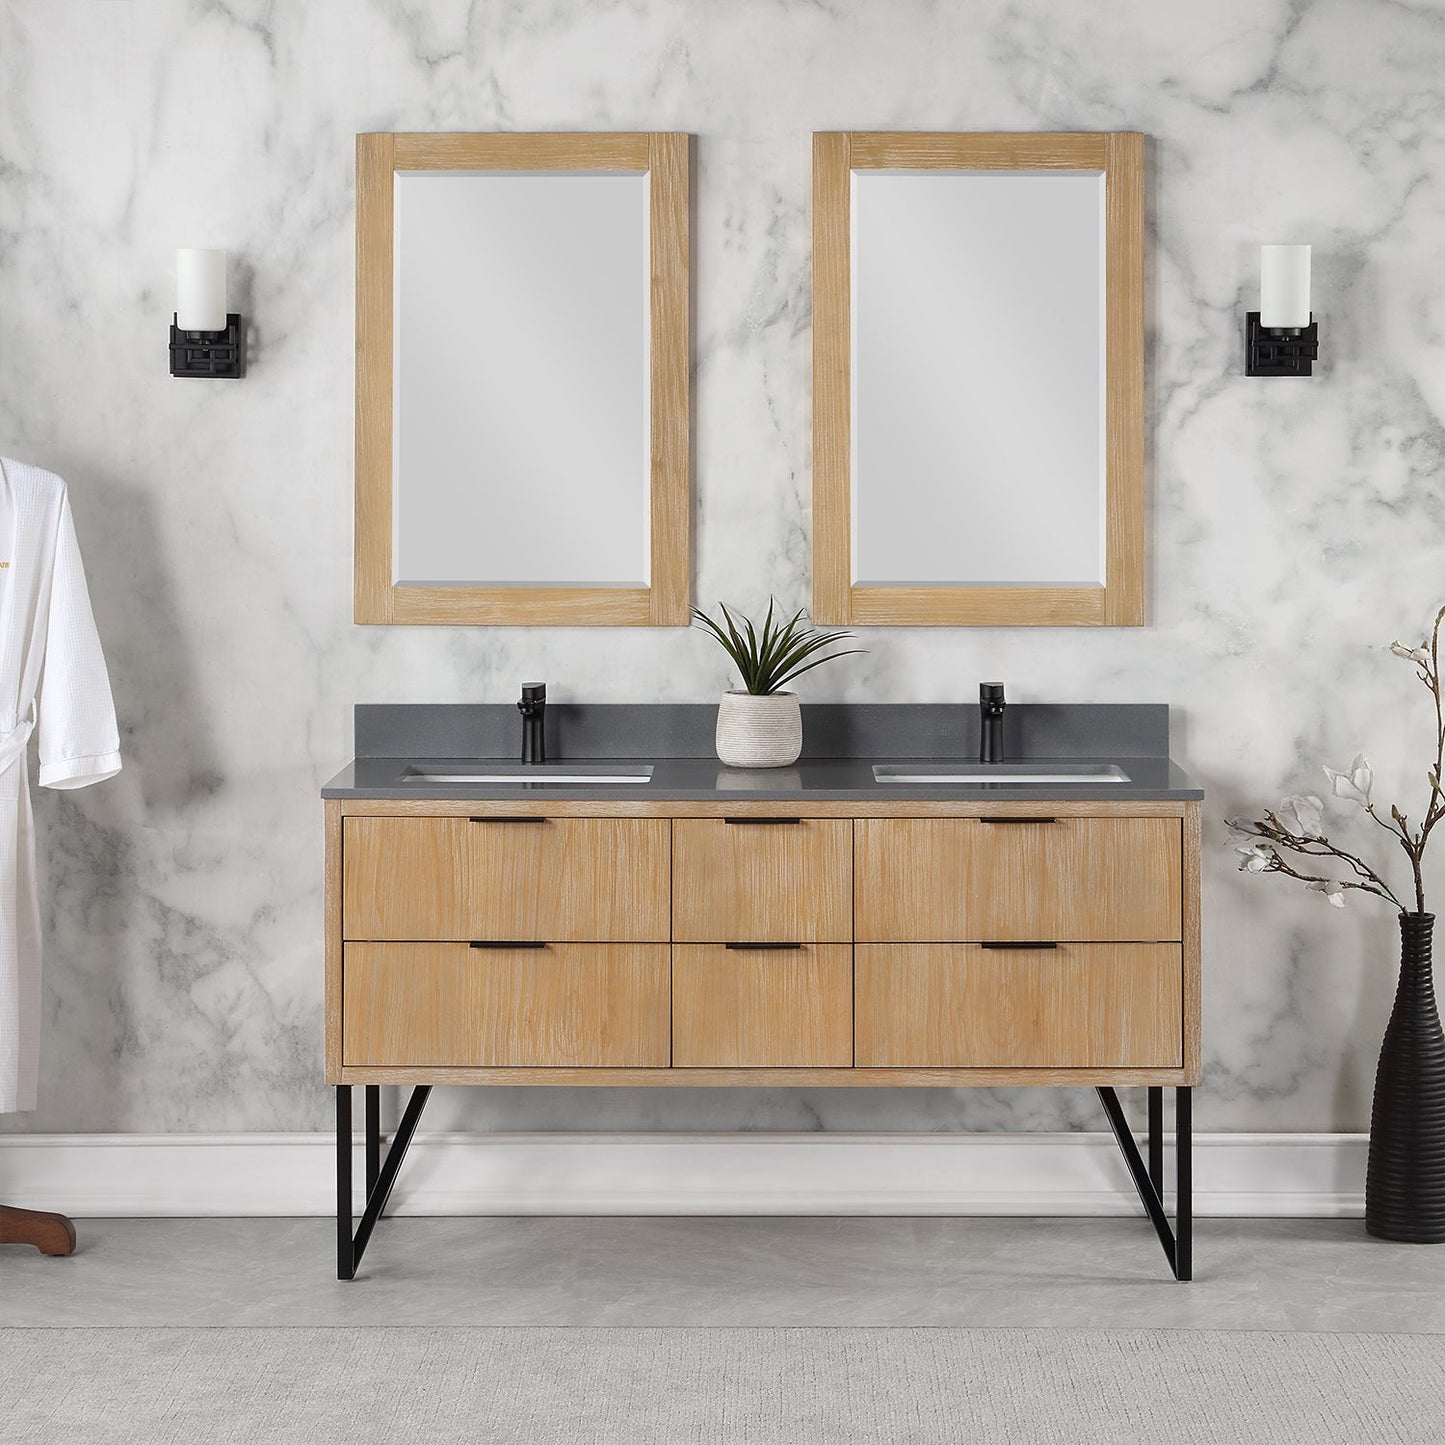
(759, 730)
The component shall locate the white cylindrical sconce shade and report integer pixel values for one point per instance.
(201, 290)
(1284, 287)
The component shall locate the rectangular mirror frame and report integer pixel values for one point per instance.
(836, 599)
(664, 602)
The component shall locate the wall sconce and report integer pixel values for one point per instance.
(206, 339)
(1282, 337)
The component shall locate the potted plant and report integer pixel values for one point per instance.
(1405, 1179)
(759, 725)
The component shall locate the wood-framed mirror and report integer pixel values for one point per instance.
(522, 379)
(978, 379)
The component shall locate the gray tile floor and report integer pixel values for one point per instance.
(1276, 1274)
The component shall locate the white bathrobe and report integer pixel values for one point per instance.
(53, 680)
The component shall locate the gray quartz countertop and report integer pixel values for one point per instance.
(841, 742)
(704, 779)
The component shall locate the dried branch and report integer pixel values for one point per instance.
(1355, 785)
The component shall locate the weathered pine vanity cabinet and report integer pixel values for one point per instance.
(826, 933)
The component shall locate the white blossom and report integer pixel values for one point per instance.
(1254, 857)
(1354, 786)
(1334, 892)
(1420, 655)
(1300, 815)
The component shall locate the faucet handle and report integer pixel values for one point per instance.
(990, 692)
(534, 692)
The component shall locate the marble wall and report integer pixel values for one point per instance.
(1295, 527)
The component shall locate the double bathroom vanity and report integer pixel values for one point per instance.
(883, 913)
(889, 911)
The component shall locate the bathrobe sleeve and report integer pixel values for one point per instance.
(78, 739)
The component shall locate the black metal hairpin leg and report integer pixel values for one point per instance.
(373, 1135)
(380, 1175)
(1178, 1242)
(1156, 1140)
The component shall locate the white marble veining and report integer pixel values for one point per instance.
(1295, 526)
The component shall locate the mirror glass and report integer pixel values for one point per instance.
(978, 378)
(522, 386)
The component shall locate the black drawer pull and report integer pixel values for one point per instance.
(1018, 820)
(762, 820)
(746, 946)
(507, 818)
(505, 943)
(1011, 944)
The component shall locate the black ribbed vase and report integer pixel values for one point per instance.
(1405, 1183)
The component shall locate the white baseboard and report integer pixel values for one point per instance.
(138, 1175)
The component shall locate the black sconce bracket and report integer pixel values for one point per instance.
(1269, 351)
(219, 354)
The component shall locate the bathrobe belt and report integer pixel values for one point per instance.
(12, 744)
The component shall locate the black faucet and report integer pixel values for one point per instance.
(533, 708)
(990, 706)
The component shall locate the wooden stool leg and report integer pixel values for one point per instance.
(49, 1233)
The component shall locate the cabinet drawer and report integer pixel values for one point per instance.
(762, 1007)
(958, 1005)
(554, 879)
(756, 881)
(450, 1005)
(954, 879)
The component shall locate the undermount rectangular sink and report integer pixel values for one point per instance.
(510, 774)
(1013, 774)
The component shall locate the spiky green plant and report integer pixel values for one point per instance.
(770, 657)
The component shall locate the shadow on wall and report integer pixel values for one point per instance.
(1374, 997)
(165, 738)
